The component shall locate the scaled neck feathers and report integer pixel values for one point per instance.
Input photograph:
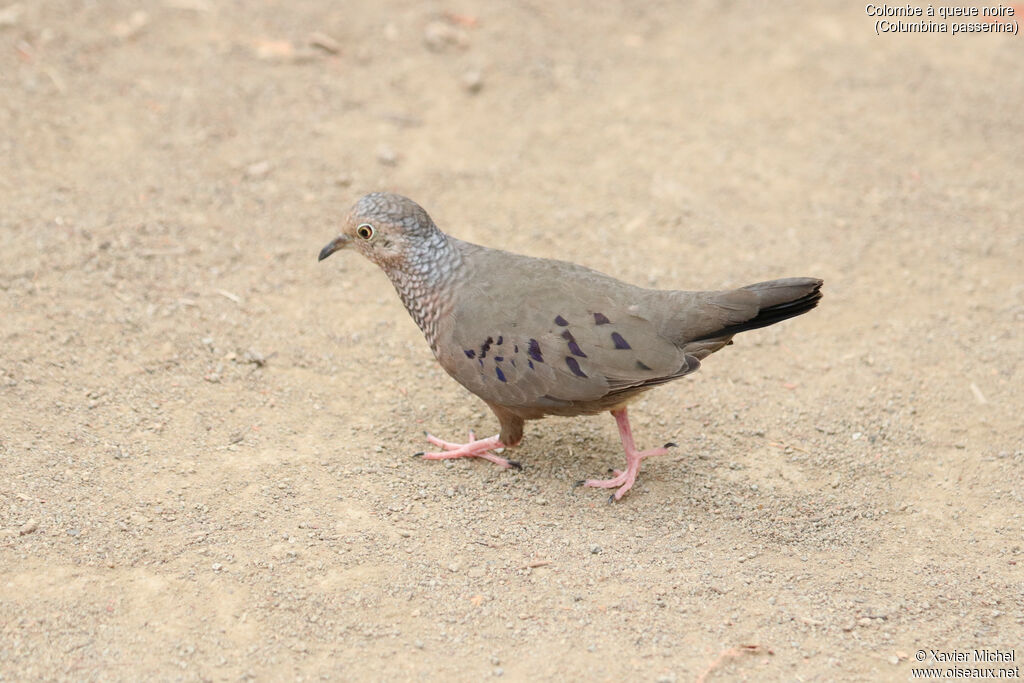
(424, 281)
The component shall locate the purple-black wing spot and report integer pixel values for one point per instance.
(601, 319)
(642, 366)
(515, 348)
(498, 359)
(534, 351)
(485, 347)
(560, 321)
(574, 366)
(500, 374)
(574, 348)
(470, 353)
(620, 343)
(500, 339)
(530, 363)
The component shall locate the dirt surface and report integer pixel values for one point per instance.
(205, 434)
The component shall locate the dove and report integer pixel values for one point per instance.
(534, 337)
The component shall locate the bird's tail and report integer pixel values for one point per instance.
(779, 300)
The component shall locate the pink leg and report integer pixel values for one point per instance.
(624, 479)
(475, 448)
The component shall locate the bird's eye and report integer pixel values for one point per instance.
(365, 231)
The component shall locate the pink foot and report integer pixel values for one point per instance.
(624, 479)
(475, 448)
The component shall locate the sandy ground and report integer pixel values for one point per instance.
(205, 434)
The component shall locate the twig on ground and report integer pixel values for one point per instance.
(737, 651)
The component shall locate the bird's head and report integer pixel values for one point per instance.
(389, 229)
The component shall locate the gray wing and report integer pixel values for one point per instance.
(554, 334)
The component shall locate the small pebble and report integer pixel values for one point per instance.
(473, 81)
(324, 42)
(10, 15)
(28, 527)
(386, 155)
(257, 170)
(130, 28)
(438, 35)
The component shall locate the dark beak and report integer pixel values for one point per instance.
(339, 242)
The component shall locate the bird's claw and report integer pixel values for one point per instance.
(475, 448)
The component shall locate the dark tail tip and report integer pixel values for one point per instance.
(781, 300)
(784, 309)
